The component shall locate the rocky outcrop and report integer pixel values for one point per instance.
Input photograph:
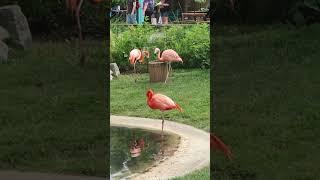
(14, 21)
(3, 52)
(3, 34)
(115, 69)
(3, 47)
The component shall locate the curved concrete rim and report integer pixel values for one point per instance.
(192, 154)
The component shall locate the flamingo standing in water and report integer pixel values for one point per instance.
(161, 102)
(138, 55)
(169, 56)
(217, 144)
(164, 103)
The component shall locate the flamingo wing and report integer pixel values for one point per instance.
(171, 55)
(135, 55)
(162, 102)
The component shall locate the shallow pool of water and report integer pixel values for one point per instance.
(136, 150)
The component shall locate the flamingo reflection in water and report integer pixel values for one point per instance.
(136, 147)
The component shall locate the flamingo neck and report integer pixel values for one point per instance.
(146, 54)
(159, 58)
(150, 94)
(140, 55)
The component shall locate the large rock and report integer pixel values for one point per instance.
(3, 33)
(12, 19)
(3, 52)
(115, 69)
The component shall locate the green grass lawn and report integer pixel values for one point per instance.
(199, 174)
(52, 112)
(189, 88)
(267, 101)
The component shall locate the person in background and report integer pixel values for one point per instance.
(132, 11)
(148, 6)
(164, 10)
(156, 15)
(209, 12)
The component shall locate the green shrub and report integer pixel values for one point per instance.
(190, 42)
(124, 41)
(195, 46)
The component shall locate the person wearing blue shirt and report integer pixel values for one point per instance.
(132, 11)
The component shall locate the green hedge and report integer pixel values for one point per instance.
(192, 43)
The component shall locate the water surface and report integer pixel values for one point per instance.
(122, 163)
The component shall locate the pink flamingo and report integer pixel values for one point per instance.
(161, 102)
(138, 55)
(217, 144)
(169, 56)
(141, 143)
(135, 149)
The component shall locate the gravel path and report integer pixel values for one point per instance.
(193, 152)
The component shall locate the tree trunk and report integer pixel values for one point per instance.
(158, 71)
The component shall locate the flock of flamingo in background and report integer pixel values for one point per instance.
(165, 103)
(168, 56)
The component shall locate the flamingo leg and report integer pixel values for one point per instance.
(162, 125)
(167, 74)
(135, 71)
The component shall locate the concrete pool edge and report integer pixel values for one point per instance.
(192, 154)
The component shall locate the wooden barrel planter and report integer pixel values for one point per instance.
(158, 71)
